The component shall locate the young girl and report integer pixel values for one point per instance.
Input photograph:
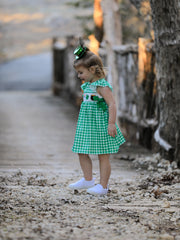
(97, 132)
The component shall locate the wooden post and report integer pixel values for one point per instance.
(146, 82)
(58, 52)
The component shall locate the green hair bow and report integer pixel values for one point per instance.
(79, 52)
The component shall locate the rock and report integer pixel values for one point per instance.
(166, 204)
(153, 236)
(143, 185)
(163, 164)
(165, 237)
(174, 165)
(114, 191)
(127, 199)
(151, 168)
(173, 219)
(170, 210)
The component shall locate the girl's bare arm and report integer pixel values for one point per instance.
(106, 93)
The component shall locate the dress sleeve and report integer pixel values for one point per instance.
(102, 83)
(84, 85)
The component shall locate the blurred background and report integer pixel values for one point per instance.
(37, 39)
(26, 32)
(27, 27)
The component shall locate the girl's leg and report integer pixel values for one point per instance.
(105, 169)
(87, 181)
(86, 165)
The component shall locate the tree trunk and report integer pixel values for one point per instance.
(113, 36)
(166, 22)
(98, 20)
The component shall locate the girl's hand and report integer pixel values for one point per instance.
(112, 130)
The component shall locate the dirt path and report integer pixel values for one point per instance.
(37, 205)
(27, 73)
(36, 134)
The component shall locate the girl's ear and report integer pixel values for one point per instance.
(92, 69)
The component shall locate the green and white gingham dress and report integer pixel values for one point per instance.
(92, 128)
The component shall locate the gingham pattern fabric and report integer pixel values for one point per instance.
(92, 128)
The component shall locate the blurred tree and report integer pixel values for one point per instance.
(96, 38)
(113, 36)
(137, 3)
(98, 20)
(112, 22)
(135, 22)
(86, 20)
(166, 22)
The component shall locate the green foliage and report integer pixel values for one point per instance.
(87, 24)
(87, 31)
(85, 18)
(81, 3)
(135, 22)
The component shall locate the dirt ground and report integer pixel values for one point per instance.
(38, 205)
(36, 166)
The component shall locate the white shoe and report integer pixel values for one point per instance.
(98, 190)
(82, 184)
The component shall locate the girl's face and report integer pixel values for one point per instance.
(85, 74)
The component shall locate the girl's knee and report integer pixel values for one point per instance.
(82, 155)
(103, 156)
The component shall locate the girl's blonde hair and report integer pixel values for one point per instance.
(88, 60)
